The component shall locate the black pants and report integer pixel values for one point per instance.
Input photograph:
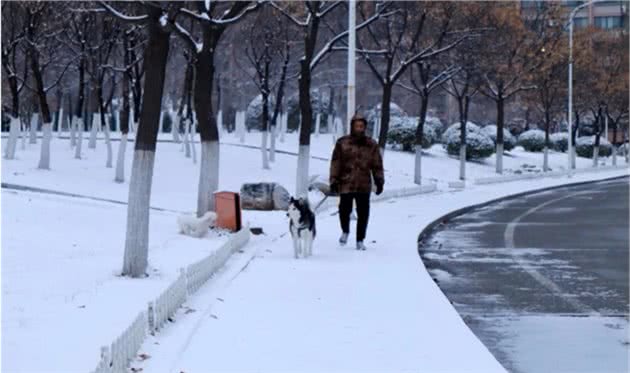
(363, 212)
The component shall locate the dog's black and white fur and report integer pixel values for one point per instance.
(301, 226)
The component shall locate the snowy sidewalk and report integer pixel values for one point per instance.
(340, 310)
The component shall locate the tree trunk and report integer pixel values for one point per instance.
(14, 133)
(137, 237)
(547, 142)
(306, 125)
(424, 102)
(209, 133)
(124, 130)
(385, 102)
(23, 135)
(614, 144)
(108, 143)
(33, 129)
(79, 144)
(463, 115)
(93, 130)
(500, 124)
(193, 148)
(283, 128)
(318, 119)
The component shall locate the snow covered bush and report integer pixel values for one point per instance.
(436, 125)
(320, 103)
(584, 147)
(509, 141)
(559, 141)
(532, 140)
(374, 114)
(402, 134)
(478, 144)
(253, 116)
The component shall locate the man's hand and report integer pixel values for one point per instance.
(379, 189)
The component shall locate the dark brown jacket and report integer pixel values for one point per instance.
(354, 162)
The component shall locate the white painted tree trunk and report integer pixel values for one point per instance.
(117, 120)
(329, 123)
(318, 120)
(60, 123)
(301, 184)
(546, 159)
(499, 158)
(175, 128)
(208, 176)
(573, 157)
(462, 162)
(120, 160)
(161, 122)
(243, 129)
(417, 174)
(264, 150)
(220, 122)
(377, 129)
(283, 130)
(108, 143)
(274, 132)
(614, 155)
(33, 129)
(77, 149)
(137, 237)
(187, 140)
(93, 131)
(23, 136)
(14, 133)
(73, 133)
(595, 156)
(44, 157)
(193, 148)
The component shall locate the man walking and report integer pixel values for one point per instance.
(356, 160)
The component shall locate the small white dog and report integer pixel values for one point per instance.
(193, 226)
(301, 227)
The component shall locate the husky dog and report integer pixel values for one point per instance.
(301, 226)
(193, 226)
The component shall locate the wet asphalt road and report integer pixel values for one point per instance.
(560, 253)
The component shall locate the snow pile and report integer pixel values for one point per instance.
(509, 141)
(559, 141)
(478, 144)
(584, 147)
(532, 140)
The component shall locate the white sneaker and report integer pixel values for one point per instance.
(343, 239)
(360, 245)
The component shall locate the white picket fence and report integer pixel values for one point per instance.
(198, 273)
(165, 305)
(116, 357)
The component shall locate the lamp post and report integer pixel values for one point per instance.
(351, 103)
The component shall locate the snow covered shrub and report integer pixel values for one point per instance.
(319, 103)
(532, 140)
(253, 115)
(509, 141)
(436, 125)
(478, 144)
(404, 136)
(395, 114)
(559, 141)
(584, 147)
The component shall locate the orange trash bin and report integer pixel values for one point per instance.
(228, 209)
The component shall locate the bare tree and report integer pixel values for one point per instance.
(309, 16)
(13, 33)
(155, 16)
(214, 19)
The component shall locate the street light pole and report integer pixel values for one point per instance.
(351, 102)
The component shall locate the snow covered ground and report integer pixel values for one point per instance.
(340, 309)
